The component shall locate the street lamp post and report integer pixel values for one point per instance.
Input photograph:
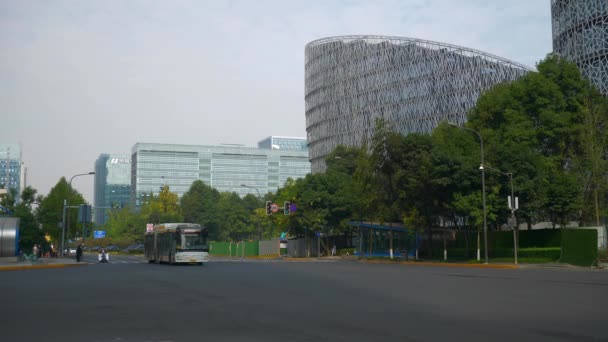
(512, 207)
(259, 197)
(483, 190)
(65, 206)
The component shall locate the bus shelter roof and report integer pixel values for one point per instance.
(395, 227)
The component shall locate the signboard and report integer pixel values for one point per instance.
(274, 207)
(99, 234)
(149, 227)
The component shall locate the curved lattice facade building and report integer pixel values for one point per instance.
(413, 84)
(580, 34)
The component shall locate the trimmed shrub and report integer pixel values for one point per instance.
(346, 251)
(552, 253)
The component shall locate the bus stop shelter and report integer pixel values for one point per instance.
(376, 240)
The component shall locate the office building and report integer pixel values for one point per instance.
(414, 84)
(12, 171)
(580, 34)
(112, 185)
(284, 143)
(223, 167)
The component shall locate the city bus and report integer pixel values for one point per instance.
(177, 243)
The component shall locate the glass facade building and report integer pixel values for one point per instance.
(284, 143)
(224, 168)
(11, 168)
(112, 184)
(580, 34)
(414, 84)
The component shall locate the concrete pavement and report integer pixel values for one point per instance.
(293, 301)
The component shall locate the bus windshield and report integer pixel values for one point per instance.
(194, 241)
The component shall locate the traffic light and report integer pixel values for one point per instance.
(84, 213)
(286, 208)
(268, 207)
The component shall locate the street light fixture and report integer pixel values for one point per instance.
(65, 206)
(512, 207)
(259, 198)
(483, 190)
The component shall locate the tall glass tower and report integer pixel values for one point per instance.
(112, 185)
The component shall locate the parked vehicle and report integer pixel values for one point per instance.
(135, 247)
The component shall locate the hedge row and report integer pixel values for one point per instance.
(542, 238)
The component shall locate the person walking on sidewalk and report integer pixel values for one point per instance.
(79, 253)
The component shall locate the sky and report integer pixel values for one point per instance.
(82, 78)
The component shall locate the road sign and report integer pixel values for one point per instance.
(149, 227)
(99, 234)
(292, 207)
(274, 207)
(318, 234)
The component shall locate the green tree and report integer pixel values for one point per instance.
(126, 224)
(29, 230)
(162, 208)
(541, 129)
(234, 222)
(199, 205)
(50, 211)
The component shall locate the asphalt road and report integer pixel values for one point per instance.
(281, 301)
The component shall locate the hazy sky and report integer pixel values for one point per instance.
(81, 78)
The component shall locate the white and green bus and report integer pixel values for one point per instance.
(177, 243)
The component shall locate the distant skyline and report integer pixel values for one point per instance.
(82, 78)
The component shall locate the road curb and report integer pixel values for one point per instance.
(440, 264)
(36, 267)
(299, 259)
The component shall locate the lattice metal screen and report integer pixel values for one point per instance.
(580, 34)
(414, 84)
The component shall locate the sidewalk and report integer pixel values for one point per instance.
(12, 263)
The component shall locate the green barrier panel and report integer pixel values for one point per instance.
(542, 238)
(220, 248)
(579, 246)
(234, 249)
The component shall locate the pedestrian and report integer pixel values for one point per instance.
(39, 251)
(79, 253)
(35, 250)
